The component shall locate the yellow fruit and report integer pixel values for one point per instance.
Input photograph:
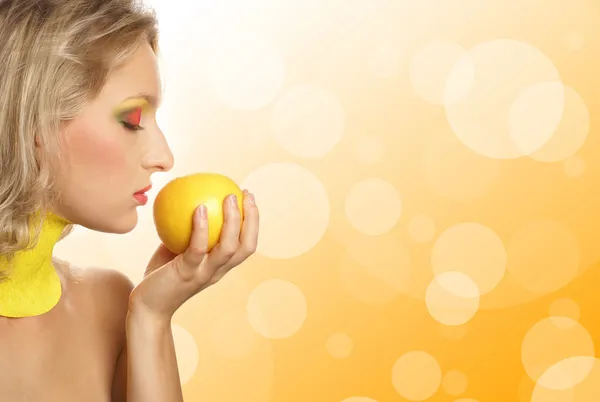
(176, 202)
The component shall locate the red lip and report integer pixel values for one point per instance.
(143, 190)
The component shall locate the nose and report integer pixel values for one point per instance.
(159, 157)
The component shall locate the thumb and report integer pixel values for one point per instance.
(190, 260)
(161, 256)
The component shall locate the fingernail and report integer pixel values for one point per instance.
(245, 191)
(251, 199)
(202, 211)
(233, 200)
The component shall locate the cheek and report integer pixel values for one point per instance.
(95, 156)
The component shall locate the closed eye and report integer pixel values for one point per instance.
(131, 119)
(131, 127)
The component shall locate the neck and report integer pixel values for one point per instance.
(33, 286)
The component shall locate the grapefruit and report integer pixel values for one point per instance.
(176, 202)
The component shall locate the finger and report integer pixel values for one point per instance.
(229, 239)
(249, 235)
(248, 238)
(197, 249)
(161, 256)
(249, 231)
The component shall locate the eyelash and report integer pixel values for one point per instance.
(131, 127)
(135, 115)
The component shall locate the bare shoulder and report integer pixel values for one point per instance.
(102, 291)
(113, 284)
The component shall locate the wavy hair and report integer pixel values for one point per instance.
(55, 57)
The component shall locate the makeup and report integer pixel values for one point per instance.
(141, 196)
(129, 113)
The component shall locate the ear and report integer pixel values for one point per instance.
(38, 150)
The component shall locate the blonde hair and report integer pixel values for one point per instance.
(55, 56)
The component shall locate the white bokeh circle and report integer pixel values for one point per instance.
(294, 207)
(276, 309)
(500, 92)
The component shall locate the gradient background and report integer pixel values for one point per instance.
(427, 175)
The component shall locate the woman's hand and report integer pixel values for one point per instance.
(170, 280)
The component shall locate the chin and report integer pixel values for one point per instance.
(124, 225)
(121, 228)
(109, 223)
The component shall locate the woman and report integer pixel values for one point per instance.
(79, 88)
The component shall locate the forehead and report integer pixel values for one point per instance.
(139, 75)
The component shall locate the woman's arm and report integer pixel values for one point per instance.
(152, 370)
(169, 281)
(147, 367)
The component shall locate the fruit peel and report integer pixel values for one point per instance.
(176, 202)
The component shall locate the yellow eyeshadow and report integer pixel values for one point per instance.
(131, 104)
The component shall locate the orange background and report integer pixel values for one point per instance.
(427, 176)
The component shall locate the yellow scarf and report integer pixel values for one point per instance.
(33, 286)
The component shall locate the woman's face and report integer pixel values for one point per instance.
(112, 149)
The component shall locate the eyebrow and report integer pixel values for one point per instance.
(151, 99)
